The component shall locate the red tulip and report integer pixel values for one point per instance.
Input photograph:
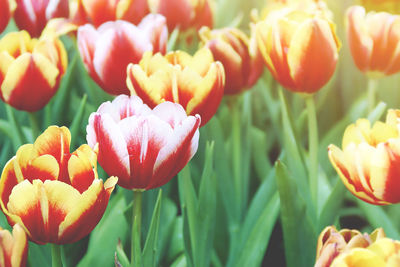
(32, 15)
(242, 62)
(53, 194)
(30, 70)
(7, 8)
(107, 51)
(184, 13)
(13, 247)
(145, 148)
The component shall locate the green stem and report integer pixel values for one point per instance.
(19, 138)
(312, 147)
(236, 155)
(34, 124)
(372, 84)
(56, 255)
(136, 248)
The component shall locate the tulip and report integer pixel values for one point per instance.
(7, 8)
(197, 83)
(184, 14)
(368, 163)
(53, 194)
(13, 247)
(32, 15)
(30, 70)
(144, 147)
(107, 51)
(374, 41)
(300, 48)
(242, 63)
(382, 253)
(332, 243)
(101, 11)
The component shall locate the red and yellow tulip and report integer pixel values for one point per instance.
(332, 243)
(299, 47)
(107, 51)
(13, 247)
(384, 252)
(33, 15)
(196, 82)
(53, 194)
(240, 57)
(7, 8)
(374, 41)
(144, 147)
(30, 70)
(368, 163)
(184, 13)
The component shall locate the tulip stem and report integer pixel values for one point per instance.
(372, 84)
(19, 138)
(56, 255)
(312, 147)
(136, 248)
(34, 124)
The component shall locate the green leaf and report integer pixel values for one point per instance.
(76, 123)
(121, 256)
(377, 217)
(259, 148)
(299, 234)
(377, 112)
(104, 238)
(39, 255)
(332, 206)
(149, 254)
(255, 245)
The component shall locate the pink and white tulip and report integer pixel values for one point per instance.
(144, 147)
(107, 51)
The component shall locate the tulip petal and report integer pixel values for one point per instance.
(181, 147)
(306, 55)
(144, 136)
(87, 212)
(122, 43)
(80, 172)
(113, 153)
(8, 181)
(20, 248)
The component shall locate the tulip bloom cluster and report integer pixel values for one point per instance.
(30, 70)
(197, 83)
(374, 41)
(368, 163)
(53, 194)
(145, 148)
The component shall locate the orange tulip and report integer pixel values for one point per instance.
(382, 253)
(30, 70)
(197, 83)
(53, 194)
(7, 8)
(300, 48)
(368, 163)
(32, 15)
(184, 13)
(374, 41)
(13, 247)
(332, 243)
(242, 63)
